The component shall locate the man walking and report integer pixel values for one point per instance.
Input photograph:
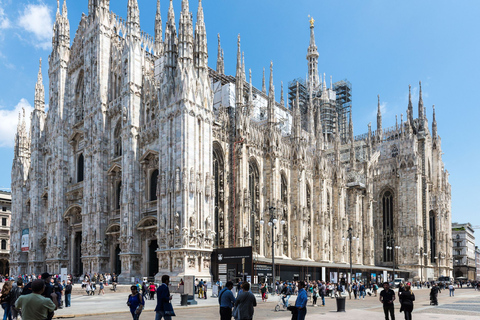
(301, 303)
(68, 294)
(387, 296)
(164, 307)
(226, 301)
(34, 306)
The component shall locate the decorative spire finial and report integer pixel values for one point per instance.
(264, 88)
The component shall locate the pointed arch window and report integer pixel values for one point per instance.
(117, 136)
(387, 211)
(79, 92)
(433, 237)
(253, 193)
(80, 168)
(118, 194)
(153, 185)
(218, 174)
(4, 244)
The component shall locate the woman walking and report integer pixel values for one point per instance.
(135, 302)
(6, 299)
(406, 301)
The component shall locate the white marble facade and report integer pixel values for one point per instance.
(148, 159)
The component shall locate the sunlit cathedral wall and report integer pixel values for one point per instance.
(147, 160)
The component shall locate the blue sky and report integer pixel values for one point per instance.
(379, 46)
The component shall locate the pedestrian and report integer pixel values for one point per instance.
(34, 306)
(362, 291)
(68, 294)
(244, 304)
(6, 300)
(375, 289)
(164, 307)
(226, 301)
(387, 296)
(16, 293)
(322, 290)
(314, 295)
(301, 302)
(102, 288)
(135, 302)
(152, 288)
(406, 298)
(451, 289)
(205, 290)
(200, 289)
(263, 291)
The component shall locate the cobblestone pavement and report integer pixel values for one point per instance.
(464, 306)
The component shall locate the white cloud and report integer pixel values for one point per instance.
(9, 121)
(37, 19)
(4, 21)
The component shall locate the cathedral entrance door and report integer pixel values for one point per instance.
(152, 258)
(77, 262)
(118, 263)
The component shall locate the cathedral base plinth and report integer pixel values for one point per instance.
(130, 268)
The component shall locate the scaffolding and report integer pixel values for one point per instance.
(343, 90)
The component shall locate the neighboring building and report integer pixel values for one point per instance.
(464, 256)
(148, 160)
(477, 264)
(5, 217)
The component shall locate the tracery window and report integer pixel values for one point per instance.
(79, 92)
(218, 174)
(118, 195)
(80, 168)
(153, 185)
(117, 136)
(387, 211)
(433, 237)
(253, 193)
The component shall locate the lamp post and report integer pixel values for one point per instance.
(273, 223)
(350, 237)
(393, 247)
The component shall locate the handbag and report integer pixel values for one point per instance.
(266, 295)
(168, 309)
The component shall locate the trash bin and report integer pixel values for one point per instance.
(184, 299)
(340, 304)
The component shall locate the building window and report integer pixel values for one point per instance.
(153, 185)
(433, 236)
(4, 244)
(80, 168)
(117, 136)
(118, 194)
(4, 222)
(253, 180)
(387, 211)
(4, 208)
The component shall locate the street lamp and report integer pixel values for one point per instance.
(393, 247)
(350, 237)
(273, 223)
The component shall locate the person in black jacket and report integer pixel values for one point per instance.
(406, 301)
(68, 294)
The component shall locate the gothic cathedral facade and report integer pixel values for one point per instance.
(147, 160)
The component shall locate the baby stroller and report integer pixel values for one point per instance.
(280, 305)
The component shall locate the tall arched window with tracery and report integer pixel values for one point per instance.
(284, 199)
(4, 244)
(80, 168)
(433, 237)
(117, 140)
(387, 211)
(118, 195)
(218, 175)
(79, 92)
(254, 194)
(153, 185)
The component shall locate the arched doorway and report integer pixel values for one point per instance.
(152, 258)
(77, 255)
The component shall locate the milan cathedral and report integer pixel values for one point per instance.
(147, 160)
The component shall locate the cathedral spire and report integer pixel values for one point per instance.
(282, 100)
(185, 34)
(379, 120)
(243, 66)
(220, 62)
(250, 88)
(239, 78)
(264, 88)
(58, 9)
(158, 31)
(297, 117)
(324, 96)
(352, 142)
(133, 18)
(271, 97)
(170, 42)
(311, 120)
(410, 107)
(201, 50)
(39, 90)
(434, 124)
(312, 57)
(421, 111)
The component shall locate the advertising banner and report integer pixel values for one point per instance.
(25, 240)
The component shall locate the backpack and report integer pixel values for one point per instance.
(16, 292)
